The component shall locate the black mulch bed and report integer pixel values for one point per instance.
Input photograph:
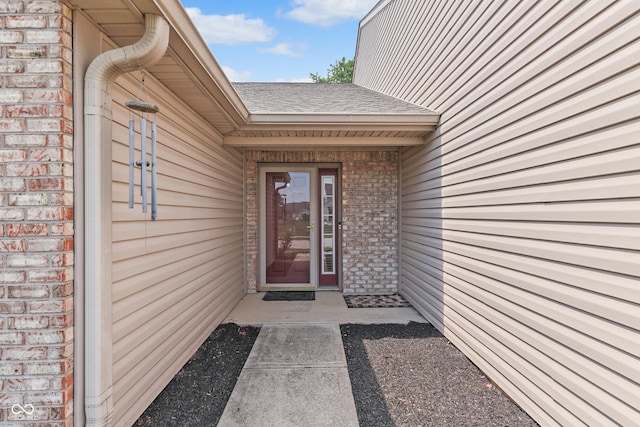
(401, 375)
(198, 394)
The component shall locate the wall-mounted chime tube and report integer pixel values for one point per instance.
(143, 164)
(154, 187)
(132, 160)
(143, 107)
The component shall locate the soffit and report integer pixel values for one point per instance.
(188, 68)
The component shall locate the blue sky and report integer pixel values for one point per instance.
(278, 40)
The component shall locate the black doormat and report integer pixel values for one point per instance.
(289, 296)
(376, 301)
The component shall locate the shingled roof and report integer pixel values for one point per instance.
(319, 98)
(312, 114)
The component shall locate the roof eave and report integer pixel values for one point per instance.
(194, 46)
(186, 46)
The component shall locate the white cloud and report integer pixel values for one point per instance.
(237, 76)
(329, 12)
(230, 29)
(286, 49)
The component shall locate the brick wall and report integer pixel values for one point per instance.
(36, 213)
(370, 232)
(369, 215)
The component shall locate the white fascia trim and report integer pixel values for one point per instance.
(373, 12)
(98, 82)
(411, 120)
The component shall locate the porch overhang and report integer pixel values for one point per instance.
(336, 115)
(335, 130)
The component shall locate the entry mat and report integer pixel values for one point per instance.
(289, 296)
(376, 301)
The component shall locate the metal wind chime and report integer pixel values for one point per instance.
(143, 110)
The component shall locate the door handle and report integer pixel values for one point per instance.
(311, 227)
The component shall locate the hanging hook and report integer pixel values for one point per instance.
(143, 87)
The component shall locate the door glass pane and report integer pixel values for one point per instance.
(328, 232)
(288, 227)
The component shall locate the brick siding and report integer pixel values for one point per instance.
(369, 215)
(36, 213)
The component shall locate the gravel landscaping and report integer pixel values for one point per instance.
(410, 375)
(401, 375)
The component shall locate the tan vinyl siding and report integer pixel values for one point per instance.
(521, 214)
(176, 278)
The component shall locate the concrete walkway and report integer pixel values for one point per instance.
(328, 307)
(296, 375)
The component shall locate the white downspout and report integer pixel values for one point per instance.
(98, 82)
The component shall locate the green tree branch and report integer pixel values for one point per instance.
(340, 72)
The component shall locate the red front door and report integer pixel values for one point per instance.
(300, 227)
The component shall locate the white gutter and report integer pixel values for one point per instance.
(99, 78)
(410, 121)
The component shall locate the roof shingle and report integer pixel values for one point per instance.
(321, 98)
